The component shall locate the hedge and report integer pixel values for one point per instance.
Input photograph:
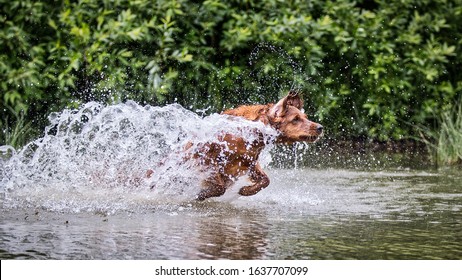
(373, 69)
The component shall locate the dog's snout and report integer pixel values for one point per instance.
(319, 128)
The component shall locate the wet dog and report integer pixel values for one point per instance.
(234, 156)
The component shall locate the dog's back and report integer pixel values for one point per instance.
(251, 112)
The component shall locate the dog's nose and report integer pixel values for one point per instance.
(319, 129)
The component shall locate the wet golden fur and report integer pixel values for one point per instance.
(240, 157)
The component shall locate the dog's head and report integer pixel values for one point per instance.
(288, 118)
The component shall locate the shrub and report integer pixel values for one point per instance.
(367, 67)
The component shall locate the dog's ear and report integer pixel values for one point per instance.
(280, 108)
(293, 99)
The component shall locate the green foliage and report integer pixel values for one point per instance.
(450, 137)
(20, 133)
(367, 68)
(445, 143)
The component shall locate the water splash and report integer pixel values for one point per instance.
(96, 158)
(273, 67)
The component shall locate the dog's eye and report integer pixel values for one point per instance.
(296, 119)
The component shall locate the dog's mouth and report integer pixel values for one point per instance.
(310, 138)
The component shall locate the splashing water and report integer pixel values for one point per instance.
(266, 56)
(96, 158)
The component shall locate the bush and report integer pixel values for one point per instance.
(367, 68)
(445, 143)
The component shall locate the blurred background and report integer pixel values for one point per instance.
(376, 74)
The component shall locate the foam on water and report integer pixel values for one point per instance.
(96, 158)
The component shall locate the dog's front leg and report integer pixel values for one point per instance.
(214, 186)
(260, 180)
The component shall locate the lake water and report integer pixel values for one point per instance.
(68, 196)
(304, 214)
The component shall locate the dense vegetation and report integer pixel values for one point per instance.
(377, 69)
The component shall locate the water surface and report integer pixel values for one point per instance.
(79, 192)
(303, 214)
